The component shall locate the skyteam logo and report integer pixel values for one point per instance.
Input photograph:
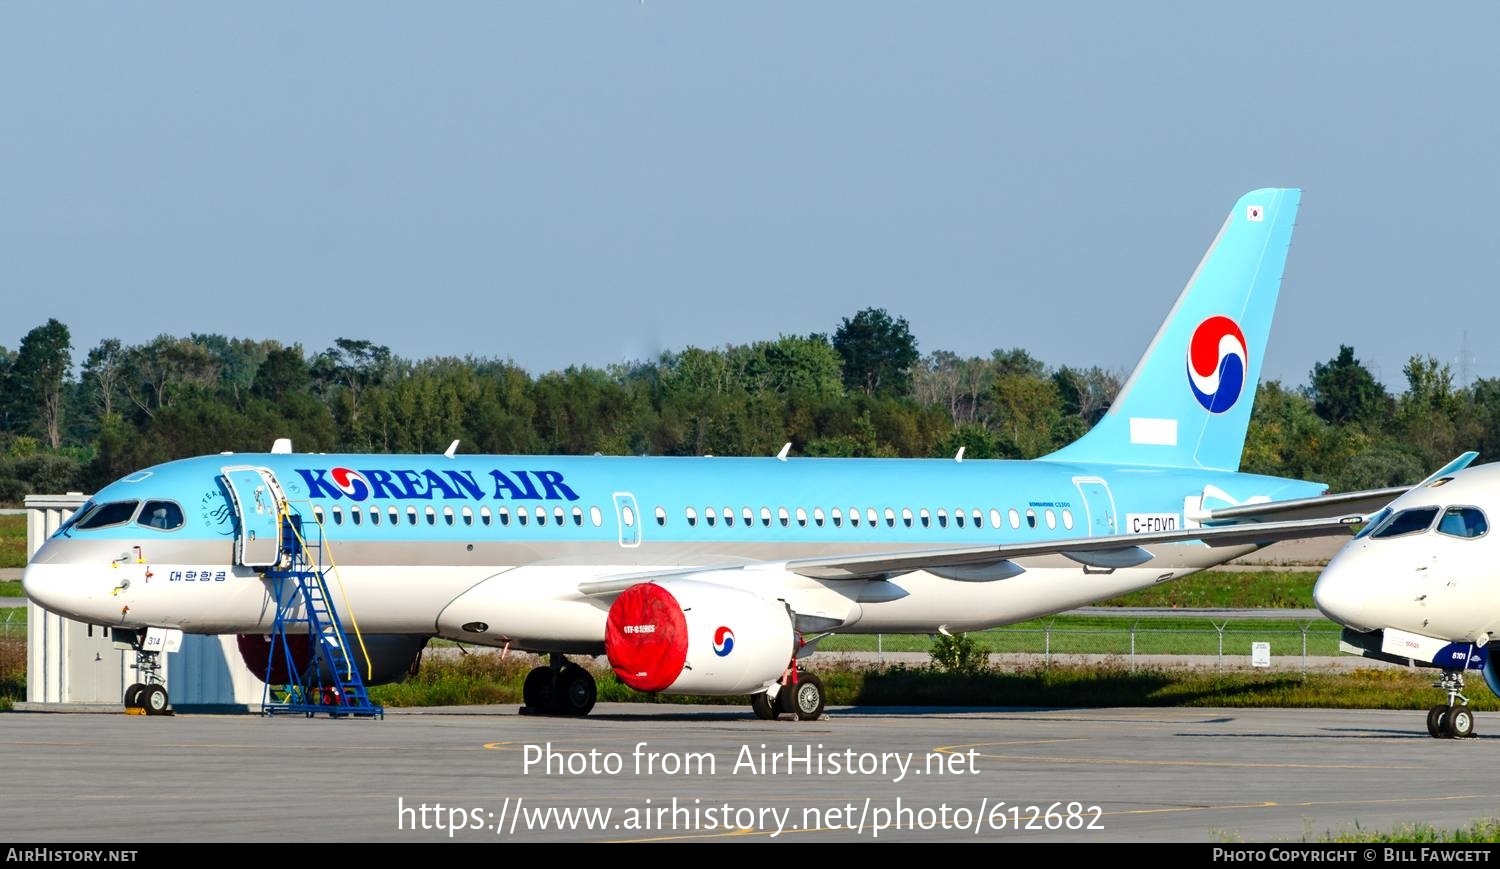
(1217, 363)
(723, 641)
(351, 483)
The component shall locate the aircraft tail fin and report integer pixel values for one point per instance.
(1187, 404)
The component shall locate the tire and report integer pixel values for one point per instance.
(765, 707)
(1435, 717)
(154, 700)
(537, 691)
(805, 698)
(1459, 723)
(133, 696)
(576, 692)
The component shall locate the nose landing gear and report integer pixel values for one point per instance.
(1455, 720)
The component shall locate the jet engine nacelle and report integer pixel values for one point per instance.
(391, 656)
(690, 637)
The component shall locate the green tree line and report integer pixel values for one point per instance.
(71, 424)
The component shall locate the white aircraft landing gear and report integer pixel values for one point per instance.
(1455, 720)
(561, 688)
(149, 695)
(800, 694)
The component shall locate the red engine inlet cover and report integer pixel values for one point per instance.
(646, 637)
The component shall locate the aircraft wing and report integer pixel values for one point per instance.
(1116, 550)
(1365, 502)
(987, 563)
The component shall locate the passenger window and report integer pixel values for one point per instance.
(396, 516)
(578, 516)
(906, 516)
(854, 517)
(411, 515)
(926, 518)
(871, 516)
(559, 516)
(522, 517)
(1051, 519)
(710, 516)
(765, 516)
(338, 515)
(995, 518)
(596, 516)
(692, 517)
(838, 518)
(468, 516)
(1030, 518)
(541, 515)
(749, 516)
(356, 515)
(1465, 522)
(1410, 521)
(627, 516)
(729, 516)
(162, 515)
(104, 515)
(942, 518)
(978, 519)
(661, 516)
(818, 516)
(783, 517)
(1068, 519)
(1015, 518)
(318, 515)
(802, 516)
(484, 516)
(448, 515)
(374, 515)
(504, 514)
(958, 516)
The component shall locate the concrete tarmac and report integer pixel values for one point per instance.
(1135, 774)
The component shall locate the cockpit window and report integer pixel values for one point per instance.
(1375, 522)
(161, 515)
(104, 515)
(1463, 522)
(1407, 522)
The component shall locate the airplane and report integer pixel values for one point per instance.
(711, 575)
(1417, 586)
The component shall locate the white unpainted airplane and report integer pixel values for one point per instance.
(712, 575)
(1420, 586)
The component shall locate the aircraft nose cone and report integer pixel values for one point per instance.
(1338, 593)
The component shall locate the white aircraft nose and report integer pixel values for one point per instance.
(1341, 595)
(48, 587)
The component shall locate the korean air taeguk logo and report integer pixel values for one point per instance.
(723, 641)
(1217, 363)
(351, 483)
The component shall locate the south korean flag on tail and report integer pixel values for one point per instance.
(1255, 214)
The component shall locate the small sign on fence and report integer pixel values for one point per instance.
(1260, 654)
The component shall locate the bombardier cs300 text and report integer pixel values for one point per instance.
(718, 575)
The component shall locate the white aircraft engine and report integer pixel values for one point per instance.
(689, 637)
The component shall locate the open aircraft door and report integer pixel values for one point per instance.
(258, 503)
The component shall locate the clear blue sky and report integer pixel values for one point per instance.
(589, 182)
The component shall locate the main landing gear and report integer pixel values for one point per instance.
(561, 688)
(800, 694)
(1455, 720)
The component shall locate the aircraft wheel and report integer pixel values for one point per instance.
(1459, 723)
(133, 696)
(804, 699)
(766, 708)
(154, 699)
(1436, 722)
(576, 691)
(537, 691)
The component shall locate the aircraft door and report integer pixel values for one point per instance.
(258, 503)
(1100, 504)
(629, 518)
